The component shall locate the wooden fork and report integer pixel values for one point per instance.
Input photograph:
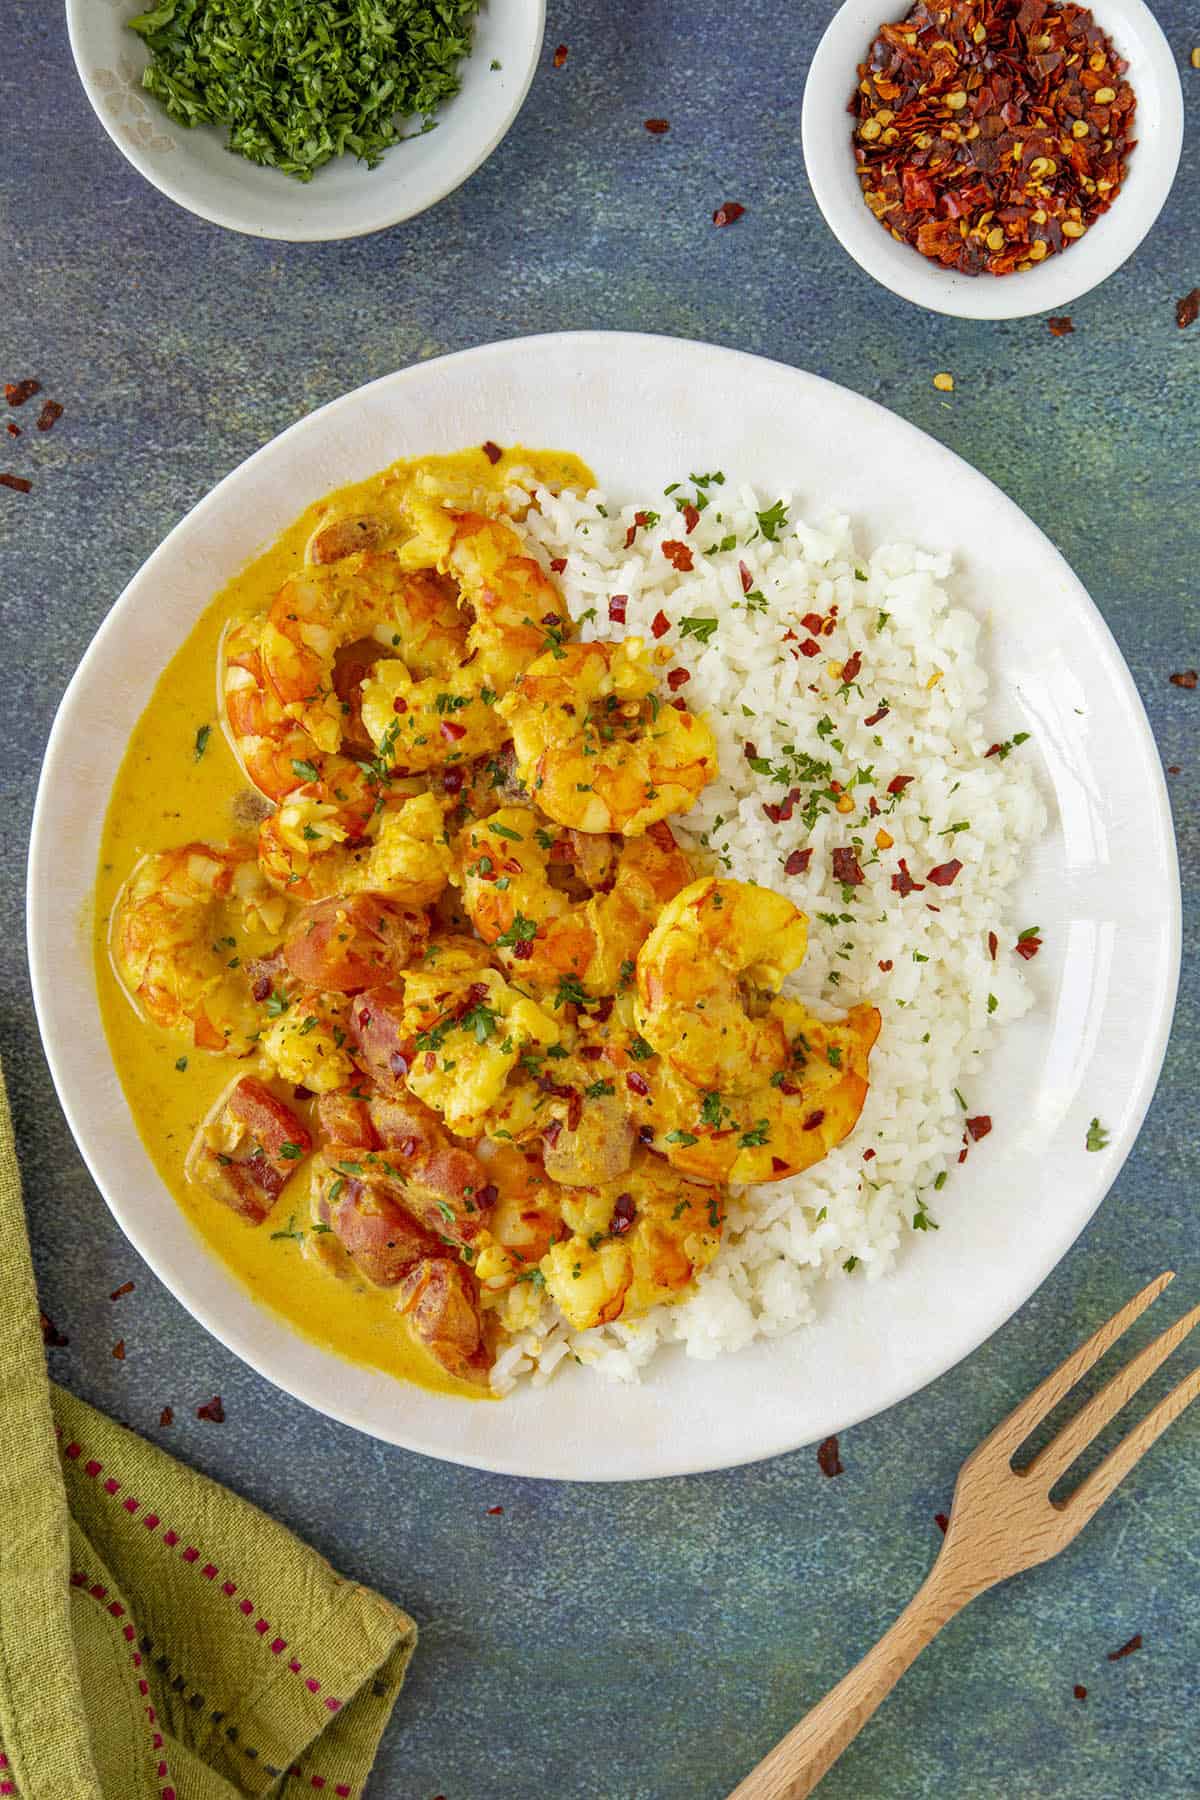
(1002, 1521)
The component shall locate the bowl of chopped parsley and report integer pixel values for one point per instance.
(298, 120)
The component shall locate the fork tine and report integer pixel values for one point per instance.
(1046, 1396)
(1096, 1488)
(1057, 1456)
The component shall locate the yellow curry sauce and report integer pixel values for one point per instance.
(165, 794)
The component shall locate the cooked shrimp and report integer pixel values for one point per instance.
(779, 1127)
(452, 1039)
(541, 932)
(353, 941)
(181, 928)
(324, 609)
(720, 950)
(306, 1042)
(267, 743)
(247, 1149)
(300, 845)
(517, 609)
(431, 722)
(597, 748)
(636, 1242)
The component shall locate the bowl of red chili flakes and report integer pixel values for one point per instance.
(992, 158)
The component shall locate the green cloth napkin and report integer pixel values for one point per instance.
(160, 1638)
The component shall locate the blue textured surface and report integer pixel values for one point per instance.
(645, 1642)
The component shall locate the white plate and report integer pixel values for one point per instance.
(1103, 885)
(345, 198)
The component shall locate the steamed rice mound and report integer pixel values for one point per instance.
(818, 664)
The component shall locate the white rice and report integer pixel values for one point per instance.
(940, 991)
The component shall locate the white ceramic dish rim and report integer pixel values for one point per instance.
(825, 134)
(227, 1311)
(509, 31)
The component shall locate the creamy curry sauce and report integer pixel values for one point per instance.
(164, 795)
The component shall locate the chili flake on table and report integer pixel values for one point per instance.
(991, 133)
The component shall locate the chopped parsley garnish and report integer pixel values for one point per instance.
(833, 1056)
(521, 931)
(682, 1137)
(640, 1050)
(569, 992)
(922, 1220)
(276, 1004)
(304, 771)
(1010, 744)
(504, 832)
(181, 1063)
(941, 1179)
(1097, 1136)
(202, 737)
(294, 83)
(960, 1100)
(769, 522)
(698, 628)
(755, 1138)
(291, 1152)
(597, 1090)
(993, 1003)
(710, 1111)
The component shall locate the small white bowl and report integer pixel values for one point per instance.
(828, 153)
(345, 198)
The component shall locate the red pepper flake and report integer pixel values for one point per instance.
(452, 731)
(677, 677)
(745, 577)
(1135, 1643)
(118, 1350)
(637, 1084)
(493, 452)
(868, 1155)
(991, 139)
(1174, 768)
(846, 868)
(880, 713)
(813, 622)
(851, 667)
(979, 1127)
(495, 1512)
(1187, 310)
(993, 944)
(942, 1522)
(13, 430)
(616, 608)
(828, 1460)
(558, 564)
(679, 705)
(749, 751)
(561, 55)
(1062, 326)
(52, 1337)
(678, 554)
(212, 1410)
(166, 1416)
(810, 647)
(728, 212)
(18, 392)
(898, 783)
(49, 415)
(624, 1212)
(691, 516)
(778, 1166)
(126, 1287)
(945, 873)
(813, 1120)
(1185, 678)
(887, 967)
(1079, 1691)
(903, 883)
(1028, 945)
(656, 126)
(659, 625)
(797, 863)
(17, 483)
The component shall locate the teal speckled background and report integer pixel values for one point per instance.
(645, 1642)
